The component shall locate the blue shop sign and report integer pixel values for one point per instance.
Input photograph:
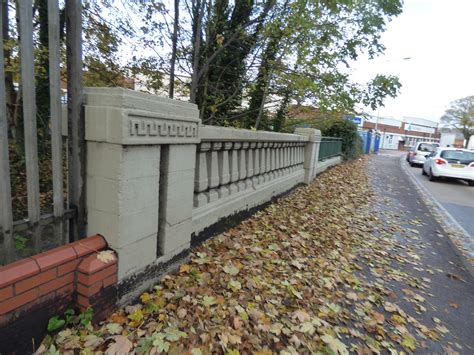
(355, 119)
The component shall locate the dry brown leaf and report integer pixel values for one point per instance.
(120, 346)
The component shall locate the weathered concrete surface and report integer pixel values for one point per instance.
(213, 133)
(451, 295)
(121, 116)
(122, 201)
(311, 152)
(326, 164)
(212, 213)
(155, 176)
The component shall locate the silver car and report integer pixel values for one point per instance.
(417, 153)
(450, 163)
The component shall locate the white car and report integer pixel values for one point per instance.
(450, 163)
(416, 155)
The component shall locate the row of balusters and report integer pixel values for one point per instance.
(225, 168)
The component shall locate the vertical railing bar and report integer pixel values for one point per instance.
(56, 130)
(29, 114)
(6, 216)
(76, 126)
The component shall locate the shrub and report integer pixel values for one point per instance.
(347, 130)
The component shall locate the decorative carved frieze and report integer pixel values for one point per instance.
(162, 128)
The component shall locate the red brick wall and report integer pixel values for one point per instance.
(47, 283)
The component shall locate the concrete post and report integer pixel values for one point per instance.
(137, 147)
(311, 152)
(176, 198)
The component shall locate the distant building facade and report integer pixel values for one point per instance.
(402, 134)
(451, 137)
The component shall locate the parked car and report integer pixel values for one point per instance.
(416, 154)
(450, 163)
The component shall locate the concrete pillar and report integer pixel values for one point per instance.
(122, 200)
(176, 198)
(137, 147)
(311, 152)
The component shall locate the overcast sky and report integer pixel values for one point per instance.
(438, 37)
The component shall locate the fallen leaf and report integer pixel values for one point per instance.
(184, 268)
(114, 328)
(455, 277)
(301, 315)
(120, 346)
(335, 345)
(408, 342)
(106, 256)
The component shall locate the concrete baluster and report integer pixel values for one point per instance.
(243, 166)
(234, 168)
(201, 181)
(224, 169)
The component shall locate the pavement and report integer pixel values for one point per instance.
(451, 294)
(355, 261)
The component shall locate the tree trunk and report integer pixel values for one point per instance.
(281, 113)
(260, 110)
(199, 11)
(175, 43)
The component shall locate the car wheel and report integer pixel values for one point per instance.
(412, 165)
(471, 182)
(431, 177)
(423, 171)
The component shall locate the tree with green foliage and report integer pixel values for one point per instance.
(224, 36)
(241, 56)
(316, 40)
(460, 115)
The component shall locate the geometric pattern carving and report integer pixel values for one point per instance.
(162, 128)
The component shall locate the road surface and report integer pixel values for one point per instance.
(451, 295)
(456, 196)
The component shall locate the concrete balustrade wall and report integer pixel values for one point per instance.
(157, 178)
(239, 169)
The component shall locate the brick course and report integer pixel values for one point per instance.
(71, 274)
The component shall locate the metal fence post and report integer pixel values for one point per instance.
(6, 218)
(76, 126)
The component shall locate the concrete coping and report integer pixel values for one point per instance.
(212, 133)
(314, 135)
(134, 100)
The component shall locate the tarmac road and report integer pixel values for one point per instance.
(456, 196)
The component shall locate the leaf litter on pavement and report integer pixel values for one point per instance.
(308, 274)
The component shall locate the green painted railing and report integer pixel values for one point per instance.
(330, 147)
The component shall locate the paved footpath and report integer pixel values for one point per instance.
(354, 262)
(450, 297)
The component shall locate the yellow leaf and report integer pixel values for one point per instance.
(184, 268)
(145, 297)
(106, 256)
(136, 316)
(408, 342)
